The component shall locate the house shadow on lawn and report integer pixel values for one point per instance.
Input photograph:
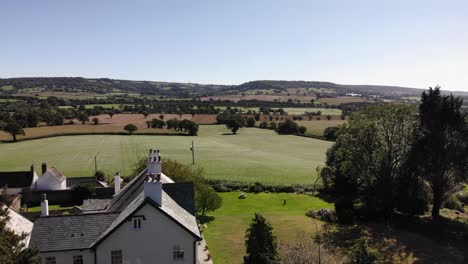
(404, 240)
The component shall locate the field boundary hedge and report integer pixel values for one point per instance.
(94, 133)
(256, 187)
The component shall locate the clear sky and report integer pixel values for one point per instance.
(416, 43)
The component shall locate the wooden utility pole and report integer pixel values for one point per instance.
(193, 153)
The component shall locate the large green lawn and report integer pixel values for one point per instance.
(252, 155)
(225, 234)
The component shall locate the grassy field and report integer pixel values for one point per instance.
(225, 234)
(35, 132)
(252, 155)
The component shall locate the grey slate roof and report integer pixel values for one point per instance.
(58, 233)
(72, 182)
(182, 193)
(169, 207)
(95, 204)
(16, 179)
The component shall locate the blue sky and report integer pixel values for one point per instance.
(409, 43)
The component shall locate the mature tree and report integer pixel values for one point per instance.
(263, 125)
(130, 128)
(302, 130)
(145, 114)
(172, 123)
(287, 127)
(442, 144)
(331, 133)
(233, 123)
(95, 121)
(12, 250)
(369, 153)
(161, 117)
(206, 199)
(273, 125)
(250, 122)
(260, 243)
(188, 126)
(14, 129)
(157, 123)
(111, 113)
(83, 117)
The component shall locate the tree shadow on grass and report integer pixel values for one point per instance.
(228, 134)
(206, 219)
(418, 241)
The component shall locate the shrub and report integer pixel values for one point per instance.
(263, 125)
(250, 122)
(331, 133)
(453, 203)
(344, 209)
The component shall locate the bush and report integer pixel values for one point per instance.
(331, 133)
(250, 122)
(263, 125)
(453, 203)
(344, 209)
(462, 197)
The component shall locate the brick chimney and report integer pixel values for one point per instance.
(44, 168)
(153, 188)
(44, 205)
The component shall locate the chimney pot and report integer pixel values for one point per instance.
(44, 205)
(44, 167)
(117, 182)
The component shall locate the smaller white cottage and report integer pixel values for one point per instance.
(51, 180)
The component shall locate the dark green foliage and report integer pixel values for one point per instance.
(172, 123)
(362, 254)
(188, 126)
(302, 130)
(83, 191)
(83, 117)
(233, 123)
(157, 123)
(344, 208)
(95, 121)
(287, 127)
(442, 145)
(100, 176)
(263, 125)
(261, 245)
(273, 125)
(130, 128)
(206, 199)
(331, 133)
(12, 249)
(250, 122)
(14, 129)
(453, 203)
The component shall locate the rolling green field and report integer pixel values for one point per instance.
(252, 155)
(225, 234)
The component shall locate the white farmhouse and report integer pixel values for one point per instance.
(51, 180)
(145, 222)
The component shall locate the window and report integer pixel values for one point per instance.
(116, 257)
(177, 253)
(78, 259)
(50, 260)
(137, 223)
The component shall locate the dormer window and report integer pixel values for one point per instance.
(177, 253)
(136, 223)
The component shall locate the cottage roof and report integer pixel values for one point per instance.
(67, 232)
(16, 179)
(55, 173)
(73, 182)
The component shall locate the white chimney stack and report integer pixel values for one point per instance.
(153, 188)
(117, 181)
(154, 162)
(44, 205)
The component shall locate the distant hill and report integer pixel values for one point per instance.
(174, 89)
